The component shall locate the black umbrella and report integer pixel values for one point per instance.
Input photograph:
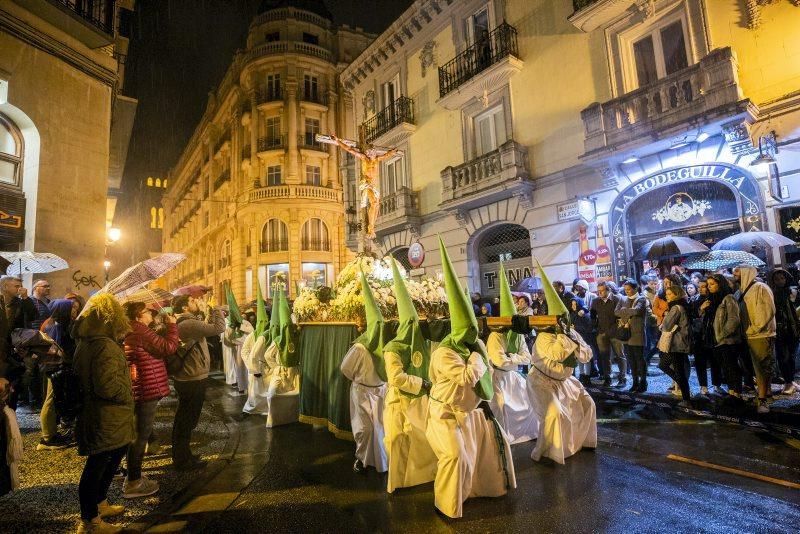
(753, 241)
(529, 285)
(669, 247)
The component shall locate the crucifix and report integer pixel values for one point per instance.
(371, 156)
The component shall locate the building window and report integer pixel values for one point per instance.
(10, 153)
(165, 183)
(225, 255)
(315, 236)
(275, 236)
(393, 176)
(271, 37)
(274, 175)
(274, 276)
(312, 129)
(477, 25)
(273, 87)
(158, 182)
(313, 175)
(153, 217)
(310, 38)
(310, 88)
(490, 130)
(150, 182)
(161, 217)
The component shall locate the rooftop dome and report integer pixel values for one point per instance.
(314, 6)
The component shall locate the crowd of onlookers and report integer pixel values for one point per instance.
(97, 372)
(739, 326)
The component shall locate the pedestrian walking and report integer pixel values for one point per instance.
(146, 352)
(105, 425)
(674, 341)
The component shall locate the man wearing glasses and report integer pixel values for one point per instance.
(41, 298)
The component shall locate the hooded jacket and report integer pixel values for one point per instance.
(756, 306)
(106, 420)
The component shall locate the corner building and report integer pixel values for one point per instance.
(254, 194)
(581, 128)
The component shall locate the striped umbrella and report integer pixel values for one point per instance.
(714, 260)
(27, 262)
(137, 276)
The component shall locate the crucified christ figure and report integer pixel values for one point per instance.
(370, 194)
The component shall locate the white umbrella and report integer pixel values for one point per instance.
(136, 277)
(27, 262)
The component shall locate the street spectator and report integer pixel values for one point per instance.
(77, 298)
(723, 327)
(57, 326)
(633, 309)
(581, 289)
(703, 342)
(195, 323)
(486, 310)
(10, 442)
(539, 304)
(650, 285)
(476, 302)
(605, 322)
(19, 312)
(691, 291)
(696, 278)
(146, 352)
(787, 328)
(40, 296)
(105, 425)
(581, 320)
(757, 312)
(524, 305)
(563, 294)
(675, 340)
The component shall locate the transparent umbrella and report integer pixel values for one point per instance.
(27, 262)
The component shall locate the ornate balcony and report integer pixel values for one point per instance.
(497, 174)
(265, 144)
(289, 47)
(487, 64)
(706, 94)
(292, 192)
(398, 210)
(314, 97)
(92, 23)
(308, 142)
(392, 125)
(588, 15)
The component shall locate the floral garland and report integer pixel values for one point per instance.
(344, 301)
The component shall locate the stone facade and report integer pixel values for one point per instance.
(254, 193)
(58, 76)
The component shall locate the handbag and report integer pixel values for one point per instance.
(622, 331)
(665, 341)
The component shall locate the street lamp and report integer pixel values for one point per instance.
(106, 266)
(114, 234)
(767, 148)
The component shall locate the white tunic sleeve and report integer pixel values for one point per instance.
(523, 355)
(271, 355)
(397, 377)
(496, 350)
(247, 355)
(452, 367)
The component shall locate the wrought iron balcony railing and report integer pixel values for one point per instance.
(487, 50)
(322, 245)
(271, 143)
(98, 13)
(396, 113)
(222, 178)
(316, 97)
(269, 94)
(308, 141)
(277, 245)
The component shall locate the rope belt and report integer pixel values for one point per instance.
(548, 376)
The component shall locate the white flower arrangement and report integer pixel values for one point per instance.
(344, 301)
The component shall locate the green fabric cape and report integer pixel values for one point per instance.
(414, 350)
(262, 322)
(234, 318)
(287, 339)
(507, 309)
(463, 337)
(372, 338)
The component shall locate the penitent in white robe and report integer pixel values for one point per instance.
(228, 360)
(411, 459)
(252, 352)
(511, 404)
(470, 463)
(367, 393)
(240, 369)
(283, 382)
(566, 412)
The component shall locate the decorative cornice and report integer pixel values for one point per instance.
(28, 34)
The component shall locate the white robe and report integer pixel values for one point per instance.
(411, 459)
(566, 412)
(465, 442)
(367, 393)
(240, 369)
(511, 404)
(252, 352)
(281, 383)
(228, 360)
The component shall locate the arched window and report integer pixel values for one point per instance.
(153, 217)
(161, 217)
(315, 236)
(504, 243)
(10, 153)
(274, 236)
(164, 183)
(225, 254)
(150, 182)
(158, 182)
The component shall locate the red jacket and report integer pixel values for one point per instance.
(146, 351)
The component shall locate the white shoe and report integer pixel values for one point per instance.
(109, 510)
(703, 390)
(97, 526)
(676, 392)
(139, 488)
(789, 389)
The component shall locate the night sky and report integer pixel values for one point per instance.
(179, 52)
